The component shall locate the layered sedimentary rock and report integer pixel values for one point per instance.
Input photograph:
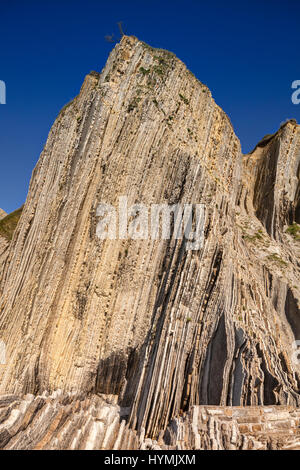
(161, 327)
(235, 428)
(63, 421)
(3, 245)
(78, 422)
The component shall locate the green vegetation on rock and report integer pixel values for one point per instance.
(274, 257)
(9, 224)
(183, 98)
(294, 230)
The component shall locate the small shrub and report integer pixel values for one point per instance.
(161, 61)
(144, 71)
(294, 231)
(252, 238)
(274, 257)
(134, 103)
(183, 98)
(158, 70)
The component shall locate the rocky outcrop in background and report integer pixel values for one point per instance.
(8, 225)
(159, 327)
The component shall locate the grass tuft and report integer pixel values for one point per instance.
(294, 230)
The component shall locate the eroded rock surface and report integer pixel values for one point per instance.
(161, 327)
(235, 428)
(63, 421)
(4, 244)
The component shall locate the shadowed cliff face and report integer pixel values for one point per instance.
(161, 327)
(276, 190)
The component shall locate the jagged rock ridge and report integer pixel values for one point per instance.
(160, 327)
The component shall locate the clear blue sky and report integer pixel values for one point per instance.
(246, 52)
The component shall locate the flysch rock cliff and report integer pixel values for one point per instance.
(160, 328)
(3, 245)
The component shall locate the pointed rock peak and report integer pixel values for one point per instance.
(267, 138)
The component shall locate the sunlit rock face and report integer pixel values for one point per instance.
(3, 245)
(159, 326)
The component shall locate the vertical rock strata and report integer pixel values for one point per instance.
(160, 327)
(3, 245)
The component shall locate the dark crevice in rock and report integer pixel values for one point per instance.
(264, 188)
(211, 384)
(292, 313)
(111, 374)
(270, 382)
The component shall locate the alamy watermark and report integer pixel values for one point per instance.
(296, 94)
(159, 221)
(2, 92)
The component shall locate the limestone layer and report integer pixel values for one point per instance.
(160, 327)
(62, 421)
(235, 428)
